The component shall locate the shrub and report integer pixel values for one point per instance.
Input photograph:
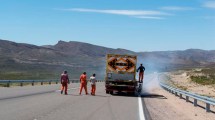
(204, 80)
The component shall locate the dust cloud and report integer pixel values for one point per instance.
(150, 83)
(151, 76)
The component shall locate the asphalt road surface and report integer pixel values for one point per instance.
(46, 103)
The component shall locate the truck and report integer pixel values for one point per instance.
(120, 73)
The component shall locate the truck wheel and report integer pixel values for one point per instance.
(111, 92)
(107, 92)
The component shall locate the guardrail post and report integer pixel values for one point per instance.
(187, 98)
(56, 82)
(8, 84)
(208, 107)
(195, 102)
(21, 84)
(181, 96)
(32, 83)
(41, 83)
(50, 82)
(176, 94)
(194, 97)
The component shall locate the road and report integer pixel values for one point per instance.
(46, 103)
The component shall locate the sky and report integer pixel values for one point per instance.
(137, 25)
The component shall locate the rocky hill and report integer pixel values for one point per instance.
(25, 61)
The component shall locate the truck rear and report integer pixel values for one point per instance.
(120, 73)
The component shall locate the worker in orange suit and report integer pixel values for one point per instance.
(83, 83)
(64, 82)
(93, 84)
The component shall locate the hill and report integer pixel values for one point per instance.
(26, 61)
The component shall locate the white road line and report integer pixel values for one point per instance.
(141, 112)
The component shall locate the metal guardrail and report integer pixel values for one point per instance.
(32, 82)
(209, 101)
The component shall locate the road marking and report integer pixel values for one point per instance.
(141, 112)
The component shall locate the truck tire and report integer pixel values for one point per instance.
(111, 92)
(107, 92)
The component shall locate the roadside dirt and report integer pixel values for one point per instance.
(163, 105)
(183, 81)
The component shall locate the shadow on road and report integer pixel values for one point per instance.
(149, 95)
(123, 94)
(143, 95)
(88, 95)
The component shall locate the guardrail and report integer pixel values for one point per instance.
(32, 82)
(209, 101)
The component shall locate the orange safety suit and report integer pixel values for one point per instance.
(83, 83)
(93, 85)
(93, 89)
(64, 83)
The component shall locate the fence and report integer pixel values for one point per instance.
(207, 100)
(32, 82)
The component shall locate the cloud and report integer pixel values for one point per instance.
(209, 4)
(143, 14)
(119, 12)
(150, 17)
(176, 8)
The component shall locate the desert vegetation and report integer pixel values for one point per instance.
(204, 76)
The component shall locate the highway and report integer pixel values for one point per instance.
(46, 103)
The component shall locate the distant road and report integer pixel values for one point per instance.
(46, 103)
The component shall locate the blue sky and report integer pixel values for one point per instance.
(138, 25)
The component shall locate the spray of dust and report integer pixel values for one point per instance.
(151, 76)
(150, 83)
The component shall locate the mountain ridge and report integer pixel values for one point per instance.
(79, 57)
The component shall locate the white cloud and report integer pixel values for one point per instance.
(119, 12)
(149, 17)
(143, 14)
(209, 4)
(176, 8)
